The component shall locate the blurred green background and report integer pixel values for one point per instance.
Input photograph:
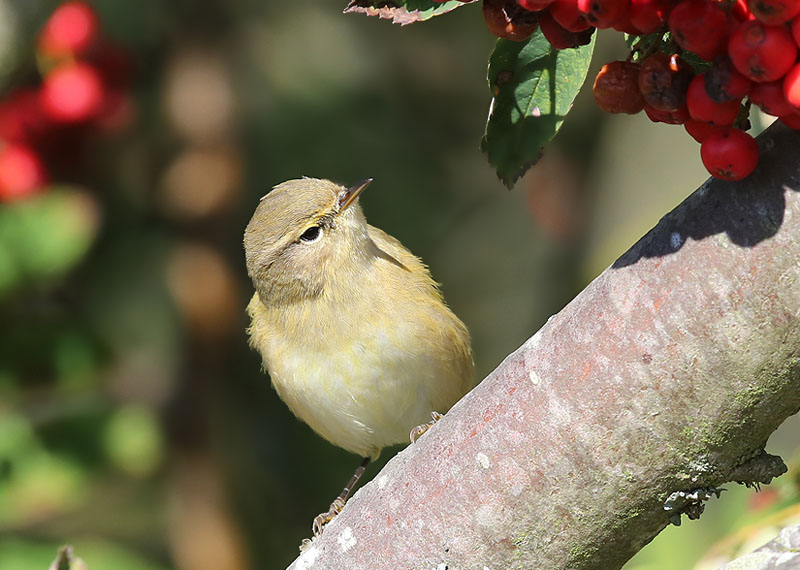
(135, 422)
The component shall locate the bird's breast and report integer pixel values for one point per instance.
(360, 376)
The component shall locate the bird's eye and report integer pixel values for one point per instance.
(311, 235)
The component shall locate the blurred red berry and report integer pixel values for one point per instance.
(724, 83)
(71, 29)
(790, 88)
(700, 130)
(703, 108)
(699, 26)
(72, 93)
(21, 172)
(729, 154)
(507, 20)
(663, 81)
(774, 12)
(767, 497)
(566, 13)
(769, 97)
(118, 112)
(677, 117)
(534, 5)
(21, 117)
(615, 88)
(650, 16)
(113, 63)
(762, 53)
(602, 13)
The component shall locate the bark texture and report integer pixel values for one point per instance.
(661, 381)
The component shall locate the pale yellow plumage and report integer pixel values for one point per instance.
(351, 328)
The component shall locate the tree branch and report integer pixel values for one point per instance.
(781, 552)
(660, 382)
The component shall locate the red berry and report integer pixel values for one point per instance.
(650, 16)
(774, 12)
(566, 13)
(762, 53)
(72, 93)
(700, 130)
(729, 154)
(623, 23)
(724, 83)
(615, 88)
(769, 97)
(699, 26)
(796, 30)
(791, 88)
(704, 108)
(740, 11)
(792, 121)
(534, 5)
(663, 81)
(71, 28)
(507, 20)
(21, 172)
(602, 13)
(677, 117)
(561, 38)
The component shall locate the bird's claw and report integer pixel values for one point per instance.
(324, 518)
(417, 432)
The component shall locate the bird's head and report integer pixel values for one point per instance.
(301, 232)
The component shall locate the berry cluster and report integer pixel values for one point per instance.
(698, 63)
(83, 88)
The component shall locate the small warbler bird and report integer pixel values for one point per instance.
(350, 325)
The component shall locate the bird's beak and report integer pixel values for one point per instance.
(349, 196)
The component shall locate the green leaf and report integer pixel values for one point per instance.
(534, 86)
(403, 11)
(44, 236)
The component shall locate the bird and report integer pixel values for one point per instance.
(351, 327)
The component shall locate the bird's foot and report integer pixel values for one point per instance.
(417, 432)
(306, 543)
(338, 504)
(324, 518)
